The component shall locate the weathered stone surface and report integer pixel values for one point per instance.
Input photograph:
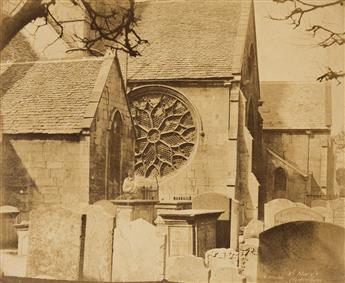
(226, 274)
(221, 257)
(326, 212)
(212, 200)
(55, 243)
(320, 202)
(23, 237)
(272, 207)
(100, 223)
(186, 269)
(253, 229)
(338, 206)
(248, 258)
(297, 214)
(138, 252)
(190, 231)
(302, 252)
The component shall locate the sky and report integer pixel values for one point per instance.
(287, 54)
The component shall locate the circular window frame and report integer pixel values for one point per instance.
(196, 124)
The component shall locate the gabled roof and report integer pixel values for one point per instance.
(190, 39)
(295, 105)
(49, 97)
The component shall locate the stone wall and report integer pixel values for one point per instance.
(212, 164)
(112, 100)
(45, 170)
(293, 146)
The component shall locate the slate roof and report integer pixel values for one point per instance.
(190, 39)
(295, 105)
(47, 97)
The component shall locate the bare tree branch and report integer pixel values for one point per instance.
(331, 75)
(303, 7)
(329, 36)
(114, 28)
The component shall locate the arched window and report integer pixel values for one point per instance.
(279, 179)
(114, 153)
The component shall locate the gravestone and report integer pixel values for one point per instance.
(338, 206)
(213, 200)
(221, 258)
(303, 251)
(253, 229)
(100, 223)
(138, 252)
(272, 207)
(56, 243)
(248, 258)
(189, 231)
(226, 274)
(8, 234)
(326, 212)
(320, 202)
(186, 269)
(297, 214)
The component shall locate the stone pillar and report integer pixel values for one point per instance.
(23, 237)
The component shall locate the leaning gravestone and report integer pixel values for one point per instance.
(272, 207)
(304, 251)
(297, 214)
(100, 223)
(55, 243)
(138, 252)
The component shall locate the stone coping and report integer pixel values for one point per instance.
(134, 201)
(167, 202)
(191, 213)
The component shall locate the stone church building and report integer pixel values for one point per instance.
(67, 132)
(184, 114)
(297, 134)
(189, 104)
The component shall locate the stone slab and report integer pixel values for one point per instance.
(272, 207)
(326, 212)
(139, 252)
(248, 258)
(23, 237)
(214, 201)
(297, 214)
(189, 269)
(55, 243)
(216, 258)
(338, 207)
(253, 229)
(302, 252)
(100, 223)
(226, 274)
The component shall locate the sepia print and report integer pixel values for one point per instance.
(172, 141)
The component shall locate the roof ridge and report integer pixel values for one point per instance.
(62, 60)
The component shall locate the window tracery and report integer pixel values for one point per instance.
(165, 132)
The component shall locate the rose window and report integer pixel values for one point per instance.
(165, 132)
